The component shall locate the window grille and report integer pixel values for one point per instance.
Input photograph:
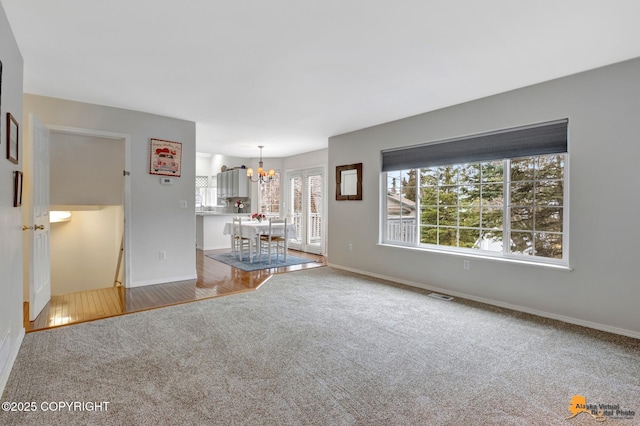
(202, 181)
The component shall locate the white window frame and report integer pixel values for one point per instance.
(478, 253)
(261, 201)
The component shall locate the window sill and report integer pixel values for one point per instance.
(467, 255)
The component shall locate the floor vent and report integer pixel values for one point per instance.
(440, 296)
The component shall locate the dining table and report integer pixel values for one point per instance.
(252, 229)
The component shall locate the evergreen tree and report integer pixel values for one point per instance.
(463, 205)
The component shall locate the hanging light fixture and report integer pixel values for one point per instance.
(263, 176)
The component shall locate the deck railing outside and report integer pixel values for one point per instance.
(401, 229)
(314, 230)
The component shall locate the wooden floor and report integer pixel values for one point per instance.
(214, 279)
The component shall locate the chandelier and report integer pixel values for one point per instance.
(263, 176)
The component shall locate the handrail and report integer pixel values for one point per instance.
(115, 280)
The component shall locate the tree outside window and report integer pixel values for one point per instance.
(465, 205)
(269, 196)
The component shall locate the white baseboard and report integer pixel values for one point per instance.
(162, 280)
(11, 358)
(544, 314)
(216, 247)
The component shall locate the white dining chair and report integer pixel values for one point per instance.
(241, 240)
(276, 237)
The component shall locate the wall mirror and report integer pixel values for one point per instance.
(349, 182)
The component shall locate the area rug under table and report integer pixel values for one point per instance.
(258, 263)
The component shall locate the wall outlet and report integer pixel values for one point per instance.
(182, 204)
(162, 255)
(465, 264)
(350, 246)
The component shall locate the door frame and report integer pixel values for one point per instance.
(304, 173)
(78, 131)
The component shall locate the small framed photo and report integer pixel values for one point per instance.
(0, 99)
(17, 189)
(165, 158)
(12, 139)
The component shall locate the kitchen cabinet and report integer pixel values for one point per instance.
(222, 184)
(233, 184)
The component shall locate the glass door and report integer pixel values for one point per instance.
(307, 209)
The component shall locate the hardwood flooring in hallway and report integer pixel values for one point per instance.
(214, 279)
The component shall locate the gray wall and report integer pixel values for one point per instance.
(86, 170)
(11, 328)
(603, 289)
(311, 159)
(157, 222)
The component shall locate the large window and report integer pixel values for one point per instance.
(511, 207)
(270, 196)
(205, 195)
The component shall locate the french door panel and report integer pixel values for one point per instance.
(315, 214)
(306, 195)
(295, 191)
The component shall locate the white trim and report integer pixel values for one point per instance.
(466, 253)
(163, 280)
(11, 359)
(279, 173)
(304, 173)
(518, 308)
(566, 205)
(127, 182)
(505, 254)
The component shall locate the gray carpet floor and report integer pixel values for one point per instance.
(324, 347)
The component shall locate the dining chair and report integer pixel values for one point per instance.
(241, 240)
(276, 236)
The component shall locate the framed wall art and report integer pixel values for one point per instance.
(0, 100)
(12, 139)
(349, 182)
(17, 189)
(165, 158)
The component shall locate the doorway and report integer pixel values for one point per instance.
(87, 189)
(85, 248)
(85, 205)
(307, 208)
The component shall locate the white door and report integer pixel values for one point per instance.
(306, 208)
(36, 214)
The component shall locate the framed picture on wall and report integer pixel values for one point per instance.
(0, 100)
(165, 158)
(349, 182)
(12, 139)
(17, 189)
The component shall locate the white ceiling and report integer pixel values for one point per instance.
(288, 74)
